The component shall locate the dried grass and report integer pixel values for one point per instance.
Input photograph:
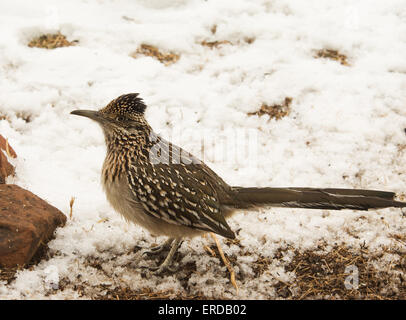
(71, 202)
(276, 111)
(218, 43)
(323, 275)
(226, 262)
(151, 51)
(319, 274)
(332, 55)
(51, 41)
(214, 44)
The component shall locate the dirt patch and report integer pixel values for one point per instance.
(51, 41)
(276, 111)
(151, 51)
(145, 294)
(340, 272)
(332, 55)
(214, 44)
(115, 289)
(319, 275)
(345, 273)
(218, 43)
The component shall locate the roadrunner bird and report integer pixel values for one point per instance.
(168, 191)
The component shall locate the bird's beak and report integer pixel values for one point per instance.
(94, 115)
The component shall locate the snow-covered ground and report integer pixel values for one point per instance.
(345, 128)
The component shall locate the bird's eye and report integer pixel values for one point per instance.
(120, 118)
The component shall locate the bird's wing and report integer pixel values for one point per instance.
(179, 190)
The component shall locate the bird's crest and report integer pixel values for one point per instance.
(126, 104)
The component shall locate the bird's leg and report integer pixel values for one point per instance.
(226, 262)
(158, 249)
(166, 264)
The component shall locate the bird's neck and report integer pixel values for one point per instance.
(125, 147)
(120, 140)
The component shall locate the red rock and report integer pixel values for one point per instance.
(26, 222)
(4, 146)
(6, 169)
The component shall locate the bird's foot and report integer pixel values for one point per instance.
(162, 268)
(157, 249)
(166, 264)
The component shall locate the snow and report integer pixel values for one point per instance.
(345, 129)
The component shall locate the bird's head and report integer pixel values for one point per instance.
(125, 112)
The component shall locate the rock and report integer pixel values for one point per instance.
(4, 146)
(26, 222)
(6, 169)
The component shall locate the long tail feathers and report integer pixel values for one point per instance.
(315, 198)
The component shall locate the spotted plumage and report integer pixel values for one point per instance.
(127, 105)
(166, 187)
(168, 191)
